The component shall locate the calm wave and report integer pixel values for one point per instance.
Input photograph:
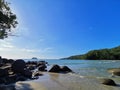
(89, 68)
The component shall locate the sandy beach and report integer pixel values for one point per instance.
(55, 81)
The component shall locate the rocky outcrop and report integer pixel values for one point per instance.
(12, 71)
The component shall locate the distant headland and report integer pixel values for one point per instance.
(101, 54)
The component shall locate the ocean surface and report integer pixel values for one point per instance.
(89, 68)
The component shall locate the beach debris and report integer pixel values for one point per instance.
(107, 81)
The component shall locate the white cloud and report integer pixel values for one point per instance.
(10, 50)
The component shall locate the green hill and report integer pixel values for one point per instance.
(101, 54)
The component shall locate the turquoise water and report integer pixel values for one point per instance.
(88, 68)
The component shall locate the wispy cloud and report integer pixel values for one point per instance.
(10, 50)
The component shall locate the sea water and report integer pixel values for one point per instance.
(86, 76)
(89, 68)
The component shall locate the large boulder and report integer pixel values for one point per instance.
(55, 68)
(18, 66)
(108, 82)
(65, 69)
(42, 68)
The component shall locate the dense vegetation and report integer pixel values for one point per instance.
(102, 54)
(7, 20)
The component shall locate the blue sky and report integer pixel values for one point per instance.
(61, 28)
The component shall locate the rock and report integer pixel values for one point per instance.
(0, 60)
(41, 63)
(108, 82)
(65, 69)
(55, 68)
(11, 61)
(115, 71)
(7, 87)
(42, 68)
(2, 81)
(27, 73)
(37, 74)
(11, 79)
(4, 60)
(31, 67)
(21, 78)
(3, 72)
(18, 66)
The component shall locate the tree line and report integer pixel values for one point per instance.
(101, 54)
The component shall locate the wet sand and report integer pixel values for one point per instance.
(55, 81)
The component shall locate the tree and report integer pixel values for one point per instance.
(7, 20)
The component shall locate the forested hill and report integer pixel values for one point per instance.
(101, 54)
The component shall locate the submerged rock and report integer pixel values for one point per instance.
(108, 82)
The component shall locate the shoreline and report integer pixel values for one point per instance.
(35, 75)
(57, 81)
